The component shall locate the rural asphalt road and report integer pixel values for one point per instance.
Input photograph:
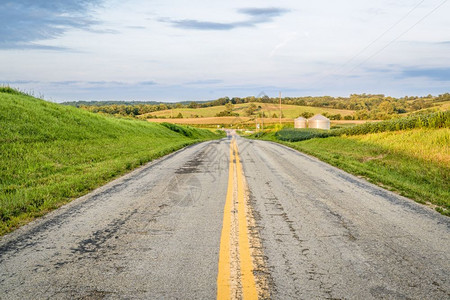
(232, 218)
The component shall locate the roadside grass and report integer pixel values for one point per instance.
(429, 144)
(413, 163)
(51, 154)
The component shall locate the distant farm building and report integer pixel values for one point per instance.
(300, 122)
(319, 121)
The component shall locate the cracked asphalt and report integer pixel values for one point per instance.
(155, 234)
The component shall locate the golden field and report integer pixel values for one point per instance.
(289, 111)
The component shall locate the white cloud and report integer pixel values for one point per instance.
(294, 46)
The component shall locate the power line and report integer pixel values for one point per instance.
(399, 36)
(371, 43)
(383, 34)
(379, 37)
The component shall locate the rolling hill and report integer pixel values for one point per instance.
(289, 111)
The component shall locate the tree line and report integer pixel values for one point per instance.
(366, 106)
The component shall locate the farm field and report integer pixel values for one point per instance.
(204, 121)
(246, 122)
(51, 153)
(444, 106)
(289, 111)
(213, 122)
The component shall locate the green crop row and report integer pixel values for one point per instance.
(433, 120)
(296, 135)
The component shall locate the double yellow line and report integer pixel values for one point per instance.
(235, 200)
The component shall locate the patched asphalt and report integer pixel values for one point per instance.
(155, 234)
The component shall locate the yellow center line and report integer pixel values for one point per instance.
(224, 274)
(247, 279)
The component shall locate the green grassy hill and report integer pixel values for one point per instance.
(50, 154)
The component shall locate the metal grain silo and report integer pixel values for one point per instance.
(300, 122)
(319, 121)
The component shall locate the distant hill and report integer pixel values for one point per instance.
(356, 107)
(103, 103)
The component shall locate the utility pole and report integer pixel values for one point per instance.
(280, 108)
(262, 117)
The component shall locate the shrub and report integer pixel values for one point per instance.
(10, 90)
(184, 130)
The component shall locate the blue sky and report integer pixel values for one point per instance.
(198, 50)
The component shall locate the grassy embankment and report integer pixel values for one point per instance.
(412, 162)
(50, 154)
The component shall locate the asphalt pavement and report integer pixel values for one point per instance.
(174, 229)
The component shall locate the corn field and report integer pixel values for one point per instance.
(433, 120)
